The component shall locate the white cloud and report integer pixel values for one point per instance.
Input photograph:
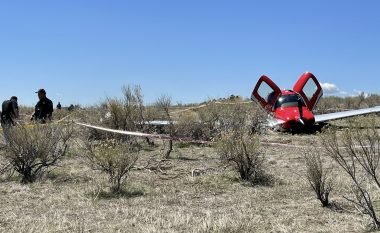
(344, 93)
(332, 89)
(329, 88)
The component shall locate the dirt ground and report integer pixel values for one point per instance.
(163, 196)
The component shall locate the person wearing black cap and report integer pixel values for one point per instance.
(9, 111)
(44, 108)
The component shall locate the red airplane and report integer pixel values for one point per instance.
(292, 110)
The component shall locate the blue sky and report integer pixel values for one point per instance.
(84, 51)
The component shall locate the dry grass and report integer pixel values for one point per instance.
(166, 198)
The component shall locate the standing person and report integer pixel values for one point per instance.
(44, 108)
(9, 111)
(59, 106)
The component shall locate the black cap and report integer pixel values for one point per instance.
(14, 98)
(41, 91)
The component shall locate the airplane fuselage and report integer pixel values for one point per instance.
(292, 111)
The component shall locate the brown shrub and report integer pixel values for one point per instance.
(32, 150)
(357, 152)
(163, 104)
(126, 113)
(114, 158)
(318, 177)
(244, 153)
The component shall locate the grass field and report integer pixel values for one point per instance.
(163, 196)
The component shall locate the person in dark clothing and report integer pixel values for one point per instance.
(9, 111)
(71, 107)
(59, 106)
(44, 108)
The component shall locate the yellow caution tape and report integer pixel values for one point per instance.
(33, 124)
(64, 118)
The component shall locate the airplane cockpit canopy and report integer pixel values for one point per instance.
(292, 100)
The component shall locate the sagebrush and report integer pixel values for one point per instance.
(31, 150)
(318, 176)
(243, 151)
(114, 158)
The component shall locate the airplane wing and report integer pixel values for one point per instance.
(345, 114)
(158, 122)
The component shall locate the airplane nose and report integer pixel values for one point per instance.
(301, 121)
